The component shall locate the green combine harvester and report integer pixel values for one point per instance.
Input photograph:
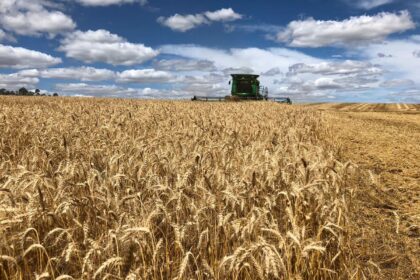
(245, 87)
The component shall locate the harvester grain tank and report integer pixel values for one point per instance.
(244, 87)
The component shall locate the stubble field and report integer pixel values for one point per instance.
(125, 189)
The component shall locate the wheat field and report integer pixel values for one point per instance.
(124, 189)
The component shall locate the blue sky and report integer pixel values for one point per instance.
(309, 50)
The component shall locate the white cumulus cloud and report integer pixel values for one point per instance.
(397, 83)
(368, 4)
(144, 76)
(363, 29)
(2, 35)
(78, 73)
(346, 67)
(330, 79)
(16, 80)
(182, 23)
(223, 15)
(184, 65)
(6, 37)
(103, 46)
(25, 17)
(94, 90)
(109, 2)
(401, 61)
(29, 73)
(89, 74)
(16, 57)
(258, 59)
(326, 83)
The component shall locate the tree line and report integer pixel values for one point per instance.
(24, 92)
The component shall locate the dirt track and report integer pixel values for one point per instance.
(386, 145)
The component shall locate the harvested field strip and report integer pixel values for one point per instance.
(344, 106)
(386, 211)
(360, 107)
(351, 106)
(378, 108)
(366, 107)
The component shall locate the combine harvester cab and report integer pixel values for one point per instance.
(247, 87)
(244, 87)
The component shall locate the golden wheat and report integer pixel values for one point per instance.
(115, 189)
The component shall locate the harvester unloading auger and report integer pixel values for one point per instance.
(245, 87)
